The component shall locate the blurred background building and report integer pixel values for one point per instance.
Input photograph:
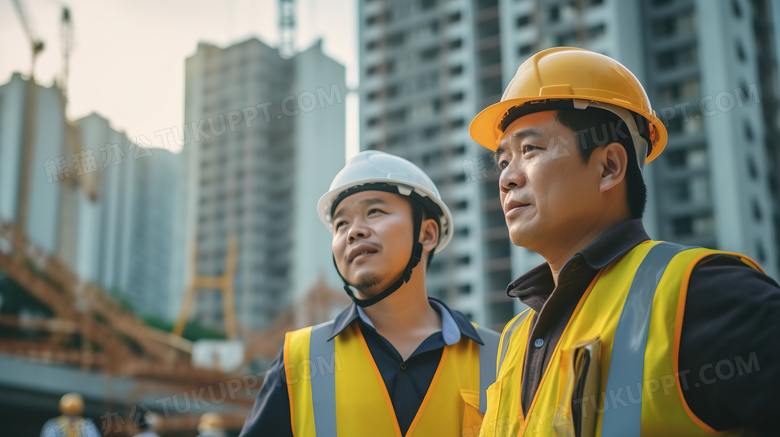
(710, 69)
(274, 139)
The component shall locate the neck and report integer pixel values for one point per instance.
(407, 307)
(406, 318)
(558, 257)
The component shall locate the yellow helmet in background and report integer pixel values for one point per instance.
(210, 422)
(567, 73)
(72, 404)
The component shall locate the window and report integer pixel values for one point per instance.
(555, 13)
(741, 51)
(524, 50)
(454, 17)
(523, 20)
(597, 31)
(664, 27)
(456, 70)
(429, 54)
(693, 225)
(680, 191)
(675, 158)
(757, 214)
(460, 205)
(737, 8)
(752, 171)
(748, 132)
(760, 254)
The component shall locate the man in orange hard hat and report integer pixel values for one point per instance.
(624, 336)
(70, 424)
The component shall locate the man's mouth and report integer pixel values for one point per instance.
(361, 251)
(512, 207)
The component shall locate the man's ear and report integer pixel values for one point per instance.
(429, 234)
(613, 163)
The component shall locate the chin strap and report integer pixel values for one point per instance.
(406, 275)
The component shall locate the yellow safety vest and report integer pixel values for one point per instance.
(614, 371)
(335, 387)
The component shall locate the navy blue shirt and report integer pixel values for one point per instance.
(407, 381)
(730, 339)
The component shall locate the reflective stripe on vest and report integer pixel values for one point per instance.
(487, 362)
(323, 386)
(628, 349)
(507, 335)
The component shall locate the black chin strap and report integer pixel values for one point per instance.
(406, 275)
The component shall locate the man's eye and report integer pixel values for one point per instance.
(529, 148)
(338, 224)
(502, 164)
(373, 211)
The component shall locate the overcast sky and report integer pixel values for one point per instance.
(127, 63)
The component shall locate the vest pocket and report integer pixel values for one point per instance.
(490, 421)
(576, 412)
(472, 419)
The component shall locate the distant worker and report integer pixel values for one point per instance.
(212, 425)
(70, 424)
(146, 423)
(396, 362)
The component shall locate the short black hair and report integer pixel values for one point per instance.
(595, 127)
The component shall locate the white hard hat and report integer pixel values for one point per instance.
(375, 167)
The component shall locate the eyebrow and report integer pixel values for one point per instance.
(517, 135)
(365, 202)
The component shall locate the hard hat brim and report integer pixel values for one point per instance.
(445, 221)
(485, 128)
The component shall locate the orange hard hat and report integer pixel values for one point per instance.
(71, 404)
(568, 73)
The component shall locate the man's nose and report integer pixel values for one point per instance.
(512, 176)
(358, 229)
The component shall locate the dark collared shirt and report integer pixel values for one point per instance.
(407, 381)
(730, 342)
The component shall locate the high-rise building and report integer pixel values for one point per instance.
(156, 272)
(48, 144)
(427, 67)
(264, 136)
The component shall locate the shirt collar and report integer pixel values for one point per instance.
(607, 248)
(453, 323)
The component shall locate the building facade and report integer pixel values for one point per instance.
(263, 137)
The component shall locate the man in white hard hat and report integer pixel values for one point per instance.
(70, 423)
(396, 362)
(624, 336)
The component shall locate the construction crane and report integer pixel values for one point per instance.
(66, 36)
(36, 44)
